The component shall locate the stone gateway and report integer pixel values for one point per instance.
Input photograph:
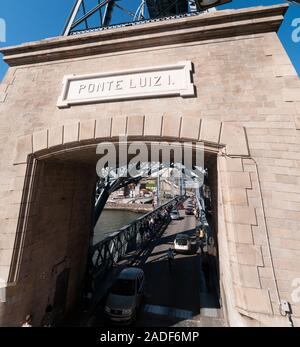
(222, 79)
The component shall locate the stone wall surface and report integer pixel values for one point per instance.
(247, 102)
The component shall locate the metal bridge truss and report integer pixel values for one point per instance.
(105, 187)
(91, 15)
(128, 241)
(123, 176)
(131, 238)
(115, 179)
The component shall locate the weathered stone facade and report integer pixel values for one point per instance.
(246, 111)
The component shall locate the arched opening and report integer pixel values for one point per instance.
(56, 231)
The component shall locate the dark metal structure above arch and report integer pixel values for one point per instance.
(91, 15)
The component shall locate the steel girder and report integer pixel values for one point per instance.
(83, 11)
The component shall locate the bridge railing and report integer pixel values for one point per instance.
(128, 240)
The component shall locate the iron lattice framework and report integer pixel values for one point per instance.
(129, 240)
(117, 179)
(93, 15)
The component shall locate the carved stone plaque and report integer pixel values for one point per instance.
(169, 80)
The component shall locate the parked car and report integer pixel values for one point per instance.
(182, 243)
(174, 214)
(125, 296)
(189, 211)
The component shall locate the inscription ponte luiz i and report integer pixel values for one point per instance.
(169, 80)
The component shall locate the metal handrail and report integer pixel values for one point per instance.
(128, 239)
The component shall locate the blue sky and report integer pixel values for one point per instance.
(32, 20)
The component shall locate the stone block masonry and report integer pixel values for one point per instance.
(245, 110)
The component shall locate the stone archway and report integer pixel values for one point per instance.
(240, 207)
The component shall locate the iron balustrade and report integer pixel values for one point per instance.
(129, 240)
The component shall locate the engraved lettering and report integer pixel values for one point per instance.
(143, 82)
(157, 81)
(110, 83)
(132, 85)
(119, 85)
(100, 87)
(172, 80)
(91, 88)
(82, 87)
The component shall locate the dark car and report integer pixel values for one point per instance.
(189, 211)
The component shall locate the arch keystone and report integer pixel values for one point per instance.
(135, 126)
(153, 125)
(171, 126)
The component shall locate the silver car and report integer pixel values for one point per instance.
(175, 215)
(125, 296)
(182, 243)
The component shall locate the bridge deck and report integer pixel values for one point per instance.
(182, 296)
(178, 296)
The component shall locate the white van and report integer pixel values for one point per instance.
(125, 296)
